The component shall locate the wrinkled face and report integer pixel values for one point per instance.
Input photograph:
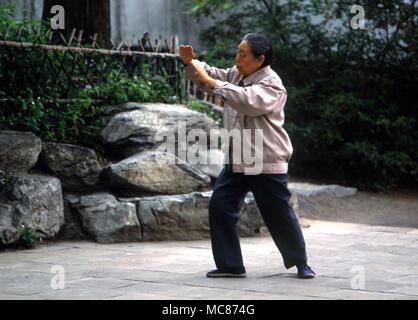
(246, 62)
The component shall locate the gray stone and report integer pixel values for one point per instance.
(294, 203)
(313, 199)
(72, 229)
(213, 164)
(19, 151)
(313, 190)
(157, 172)
(125, 107)
(33, 201)
(77, 167)
(185, 216)
(106, 219)
(145, 126)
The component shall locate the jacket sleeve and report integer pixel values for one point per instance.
(256, 100)
(215, 73)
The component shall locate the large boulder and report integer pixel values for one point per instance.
(146, 124)
(32, 201)
(156, 172)
(313, 199)
(212, 164)
(77, 167)
(19, 151)
(107, 220)
(185, 216)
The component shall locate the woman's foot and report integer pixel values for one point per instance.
(227, 273)
(305, 271)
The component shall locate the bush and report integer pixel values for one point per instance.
(28, 237)
(32, 99)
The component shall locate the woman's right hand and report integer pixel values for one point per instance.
(186, 54)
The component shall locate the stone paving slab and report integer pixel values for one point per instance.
(353, 261)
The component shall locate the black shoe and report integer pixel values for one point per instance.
(305, 272)
(227, 273)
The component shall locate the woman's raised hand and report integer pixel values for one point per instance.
(186, 54)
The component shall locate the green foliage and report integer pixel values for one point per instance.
(28, 237)
(80, 119)
(33, 99)
(76, 121)
(206, 108)
(146, 88)
(13, 28)
(352, 106)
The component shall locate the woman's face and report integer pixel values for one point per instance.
(246, 62)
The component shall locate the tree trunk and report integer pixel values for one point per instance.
(91, 16)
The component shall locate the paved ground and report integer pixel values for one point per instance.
(353, 261)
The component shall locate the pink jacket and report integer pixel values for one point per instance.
(258, 105)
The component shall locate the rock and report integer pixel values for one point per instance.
(113, 110)
(214, 162)
(77, 167)
(155, 218)
(33, 201)
(251, 223)
(157, 172)
(107, 220)
(144, 127)
(310, 190)
(294, 202)
(19, 151)
(72, 229)
(185, 216)
(313, 200)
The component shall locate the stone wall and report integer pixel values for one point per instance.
(134, 192)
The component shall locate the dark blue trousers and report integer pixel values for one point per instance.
(272, 198)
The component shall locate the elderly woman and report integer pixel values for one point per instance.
(254, 98)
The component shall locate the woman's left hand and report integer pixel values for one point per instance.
(203, 76)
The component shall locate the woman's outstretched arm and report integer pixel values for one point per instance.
(214, 72)
(187, 56)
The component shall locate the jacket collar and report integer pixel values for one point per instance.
(259, 74)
